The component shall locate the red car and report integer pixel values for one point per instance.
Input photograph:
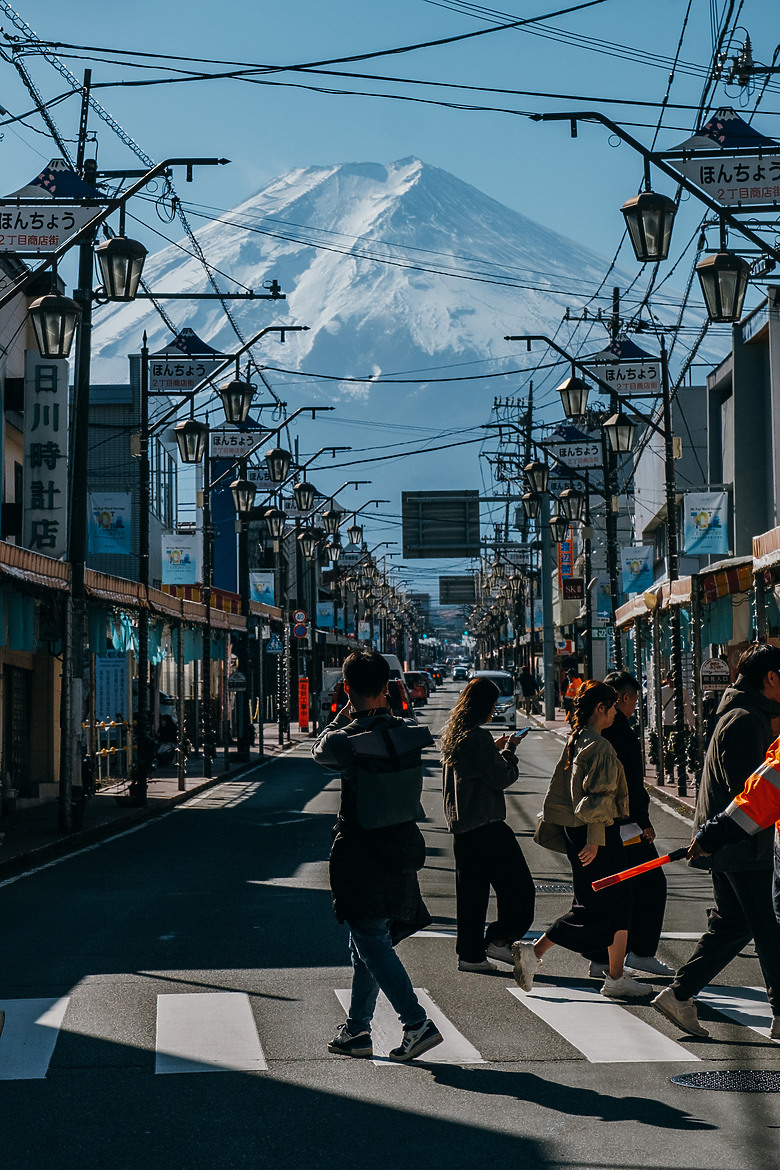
(418, 687)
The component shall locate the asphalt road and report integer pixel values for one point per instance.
(108, 1059)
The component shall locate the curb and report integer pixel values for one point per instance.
(671, 800)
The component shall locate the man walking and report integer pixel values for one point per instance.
(376, 853)
(741, 871)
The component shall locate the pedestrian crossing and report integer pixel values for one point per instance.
(220, 1031)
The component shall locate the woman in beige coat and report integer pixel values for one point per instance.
(586, 798)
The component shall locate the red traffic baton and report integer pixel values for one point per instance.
(625, 874)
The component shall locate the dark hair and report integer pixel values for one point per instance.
(756, 662)
(476, 701)
(366, 672)
(622, 681)
(591, 693)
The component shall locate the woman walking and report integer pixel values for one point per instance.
(476, 770)
(587, 795)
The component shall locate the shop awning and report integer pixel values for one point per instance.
(766, 550)
(31, 568)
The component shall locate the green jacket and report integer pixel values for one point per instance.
(588, 787)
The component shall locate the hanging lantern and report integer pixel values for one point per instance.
(331, 520)
(307, 539)
(355, 533)
(244, 494)
(571, 503)
(333, 551)
(574, 396)
(531, 505)
(275, 520)
(620, 432)
(537, 474)
(724, 280)
(236, 399)
(649, 218)
(559, 526)
(121, 264)
(278, 462)
(191, 437)
(304, 494)
(54, 320)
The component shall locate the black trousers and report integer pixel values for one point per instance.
(485, 857)
(648, 902)
(594, 918)
(743, 910)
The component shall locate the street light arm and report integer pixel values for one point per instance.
(545, 448)
(651, 157)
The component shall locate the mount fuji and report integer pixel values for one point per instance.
(400, 271)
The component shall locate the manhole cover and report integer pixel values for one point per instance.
(728, 1081)
(555, 888)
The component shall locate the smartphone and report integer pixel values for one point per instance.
(522, 732)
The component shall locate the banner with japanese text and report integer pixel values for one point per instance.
(261, 587)
(45, 467)
(706, 523)
(110, 523)
(180, 559)
(636, 567)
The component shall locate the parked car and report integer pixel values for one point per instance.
(460, 673)
(506, 705)
(417, 686)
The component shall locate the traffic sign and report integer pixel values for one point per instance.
(299, 616)
(299, 630)
(274, 645)
(237, 681)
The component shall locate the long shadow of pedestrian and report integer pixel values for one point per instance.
(528, 1087)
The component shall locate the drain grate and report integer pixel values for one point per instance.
(555, 888)
(728, 1081)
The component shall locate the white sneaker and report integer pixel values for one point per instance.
(483, 966)
(598, 970)
(651, 964)
(774, 1031)
(526, 964)
(681, 1012)
(625, 988)
(502, 954)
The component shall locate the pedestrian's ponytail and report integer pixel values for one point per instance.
(591, 693)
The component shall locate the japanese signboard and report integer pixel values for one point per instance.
(706, 523)
(261, 587)
(636, 566)
(579, 453)
(626, 368)
(45, 503)
(715, 674)
(111, 674)
(110, 523)
(731, 161)
(176, 373)
(325, 615)
(574, 589)
(303, 704)
(31, 229)
(566, 555)
(180, 559)
(230, 443)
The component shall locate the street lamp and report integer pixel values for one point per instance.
(620, 429)
(531, 505)
(331, 521)
(724, 280)
(244, 494)
(54, 319)
(237, 400)
(574, 396)
(333, 551)
(572, 502)
(191, 437)
(121, 264)
(649, 218)
(304, 494)
(355, 534)
(278, 463)
(559, 526)
(537, 475)
(307, 539)
(275, 520)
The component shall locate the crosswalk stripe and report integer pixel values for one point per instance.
(746, 1005)
(207, 1032)
(28, 1037)
(386, 1032)
(603, 1031)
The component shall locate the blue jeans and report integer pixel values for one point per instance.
(376, 967)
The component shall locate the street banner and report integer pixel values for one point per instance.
(626, 368)
(111, 677)
(180, 559)
(45, 460)
(261, 587)
(706, 528)
(731, 161)
(364, 631)
(574, 448)
(636, 566)
(566, 555)
(303, 704)
(325, 615)
(110, 523)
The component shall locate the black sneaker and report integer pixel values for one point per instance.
(416, 1041)
(345, 1043)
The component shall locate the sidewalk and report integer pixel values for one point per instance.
(31, 836)
(665, 794)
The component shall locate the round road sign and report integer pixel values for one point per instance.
(298, 617)
(299, 631)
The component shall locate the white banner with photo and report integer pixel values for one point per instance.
(180, 559)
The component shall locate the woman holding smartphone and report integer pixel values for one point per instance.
(475, 771)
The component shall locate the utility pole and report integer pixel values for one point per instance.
(610, 469)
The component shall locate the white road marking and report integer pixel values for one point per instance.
(386, 1032)
(29, 1037)
(208, 1032)
(746, 1005)
(599, 1028)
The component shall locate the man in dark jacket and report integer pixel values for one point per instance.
(648, 892)
(376, 853)
(741, 872)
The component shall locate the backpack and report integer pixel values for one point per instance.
(388, 774)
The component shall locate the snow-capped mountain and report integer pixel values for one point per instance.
(400, 271)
